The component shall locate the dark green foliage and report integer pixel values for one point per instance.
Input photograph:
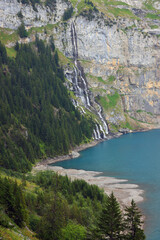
(89, 2)
(61, 204)
(37, 117)
(51, 3)
(13, 201)
(3, 55)
(22, 31)
(32, 2)
(60, 209)
(89, 14)
(52, 43)
(24, 1)
(67, 14)
(53, 220)
(110, 222)
(20, 15)
(77, 202)
(64, 185)
(16, 47)
(133, 223)
(92, 5)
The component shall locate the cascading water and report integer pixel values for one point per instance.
(81, 89)
(103, 121)
(79, 81)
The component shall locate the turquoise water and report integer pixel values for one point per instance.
(135, 157)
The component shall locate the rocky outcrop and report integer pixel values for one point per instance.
(37, 16)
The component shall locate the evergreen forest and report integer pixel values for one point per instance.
(37, 117)
(55, 208)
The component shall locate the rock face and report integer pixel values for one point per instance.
(37, 16)
(121, 49)
(120, 57)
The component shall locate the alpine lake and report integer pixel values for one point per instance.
(135, 157)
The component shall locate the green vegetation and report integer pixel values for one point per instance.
(109, 101)
(44, 29)
(87, 9)
(154, 26)
(7, 36)
(126, 125)
(11, 52)
(53, 207)
(100, 79)
(110, 222)
(74, 2)
(22, 31)
(68, 14)
(57, 208)
(140, 111)
(116, 3)
(121, 12)
(35, 108)
(12, 202)
(148, 4)
(63, 59)
(133, 222)
(152, 16)
(111, 78)
(113, 127)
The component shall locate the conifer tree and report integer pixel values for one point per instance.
(22, 31)
(110, 222)
(133, 223)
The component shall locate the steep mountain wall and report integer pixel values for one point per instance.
(33, 16)
(120, 55)
(126, 57)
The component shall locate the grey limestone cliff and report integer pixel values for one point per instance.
(120, 56)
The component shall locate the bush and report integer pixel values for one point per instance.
(22, 31)
(67, 14)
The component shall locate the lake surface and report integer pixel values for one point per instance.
(135, 157)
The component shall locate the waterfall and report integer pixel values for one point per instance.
(98, 132)
(79, 81)
(102, 119)
(95, 134)
(81, 90)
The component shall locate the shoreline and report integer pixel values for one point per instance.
(74, 152)
(123, 191)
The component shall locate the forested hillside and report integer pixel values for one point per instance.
(54, 208)
(37, 117)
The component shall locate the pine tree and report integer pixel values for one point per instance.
(133, 223)
(52, 43)
(22, 31)
(110, 222)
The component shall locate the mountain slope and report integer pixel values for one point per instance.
(37, 116)
(110, 54)
(118, 47)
